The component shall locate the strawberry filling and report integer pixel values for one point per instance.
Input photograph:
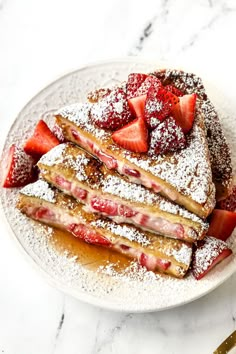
(151, 262)
(131, 172)
(89, 235)
(123, 213)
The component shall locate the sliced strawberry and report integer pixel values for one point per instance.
(133, 136)
(209, 252)
(167, 136)
(41, 141)
(88, 235)
(184, 112)
(134, 82)
(222, 224)
(174, 90)
(137, 105)
(112, 111)
(17, 168)
(230, 202)
(148, 82)
(104, 206)
(158, 105)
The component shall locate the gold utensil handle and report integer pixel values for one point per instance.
(227, 345)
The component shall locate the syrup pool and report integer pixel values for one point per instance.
(89, 256)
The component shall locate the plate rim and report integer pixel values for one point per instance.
(56, 283)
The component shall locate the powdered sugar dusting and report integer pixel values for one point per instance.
(39, 189)
(60, 155)
(79, 114)
(54, 156)
(206, 253)
(182, 255)
(129, 232)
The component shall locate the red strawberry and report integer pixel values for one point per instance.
(16, 168)
(209, 252)
(148, 82)
(158, 105)
(137, 105)
(173, 90)
(133, 136)
(41, 141)
(222, 224)
(88, 235)
(184, 112)
(112, 111)
(167, 136)
(230, 202)
(104, 206)
(134, 82)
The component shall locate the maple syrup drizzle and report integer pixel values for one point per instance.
(90, 256)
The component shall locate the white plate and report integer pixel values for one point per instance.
(140, 292)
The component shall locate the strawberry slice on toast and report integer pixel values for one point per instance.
(133, 136)
(184, 111)
(112, 111)
(222, 224)
(158, 105)
(209, 252)
(167, 136)
(17, 168)
(135, 80)
(42, 140)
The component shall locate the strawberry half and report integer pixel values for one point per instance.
(174, 90)
(112, 111)
(222, 224)
(133, 136)
(184, 112)
(167, 136)
(209, 252)
(230, 202)
(41, 141)
(134, 82)
(148, 82)
(137, 105)
(158, 105)
(17, 168)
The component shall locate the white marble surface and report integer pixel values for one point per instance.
(41, 40)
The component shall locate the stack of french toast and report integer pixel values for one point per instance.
(138, 168)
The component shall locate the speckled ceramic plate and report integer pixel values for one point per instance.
(132, 290)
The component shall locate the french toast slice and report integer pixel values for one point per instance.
(182, 176)
(220, 155)
(79, 174)
(43, 203)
